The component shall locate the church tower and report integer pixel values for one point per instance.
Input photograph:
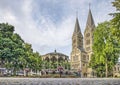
(77, 38)
(82, 51)
(88, 34)
(78, 53)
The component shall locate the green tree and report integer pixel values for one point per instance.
(11, 47)
(105, 49)
(5, 42)
(116, 21)
(38, 62)
(15, 54)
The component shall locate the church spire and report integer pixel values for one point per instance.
(90, 21)
(88, 33)
(77, 27)
(77, 38)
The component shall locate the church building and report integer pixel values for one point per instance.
(82, 47)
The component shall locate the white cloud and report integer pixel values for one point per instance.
(51, 27)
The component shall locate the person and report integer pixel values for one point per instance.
(42, 72)
(79, 73)
(46, 72)
(60, 69)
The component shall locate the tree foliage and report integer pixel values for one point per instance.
(105, 49)
(116, 20)
(106, 46)
(15, 54)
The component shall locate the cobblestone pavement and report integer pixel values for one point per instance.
(59, 81)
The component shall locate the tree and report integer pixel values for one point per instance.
(33, 59)
(11, 47)
(106, 46)
(38, 62)
(105, 49)
(15, 54)
(116, 21)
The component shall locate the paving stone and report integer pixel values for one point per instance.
(59, 81)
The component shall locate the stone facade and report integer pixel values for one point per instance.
(54, 60)
(116, 70)
(82, 47)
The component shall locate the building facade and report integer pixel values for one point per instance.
(53, 60)
(116, 70)
(82, 47)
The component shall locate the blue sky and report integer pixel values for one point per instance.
(49, 24)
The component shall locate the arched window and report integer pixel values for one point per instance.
(75, 58)
(53, 59)
(87, 35)
(88, 48)
(60, 59)
(47, 59)
(87, 42)
(84, 57)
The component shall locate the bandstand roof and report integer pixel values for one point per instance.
(56, 53)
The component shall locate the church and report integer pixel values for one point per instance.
(82, 47)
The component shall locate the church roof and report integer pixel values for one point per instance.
(90, 21)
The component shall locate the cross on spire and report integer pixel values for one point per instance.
(77, 13)
(89, 5)
(90, 20)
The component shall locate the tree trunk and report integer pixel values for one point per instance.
(2, 65)
(24, 72)
(101, 75)
(106, 67)
(14, 72)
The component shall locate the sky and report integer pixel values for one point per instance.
(48, 24)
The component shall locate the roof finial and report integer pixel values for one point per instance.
(77, 14)
(89, 5)
(55, 51)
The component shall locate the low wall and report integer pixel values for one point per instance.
(59, 81)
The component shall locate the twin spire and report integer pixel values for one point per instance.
(90, 22)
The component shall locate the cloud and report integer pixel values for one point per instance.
(49, 24)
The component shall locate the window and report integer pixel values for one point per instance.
(88, 48)
(88, 57)
(84, 57)
(75, 58)
(88, 34)
(74, 41)
(83, 64)
(115, 68)
(75, 66)
(87, 42)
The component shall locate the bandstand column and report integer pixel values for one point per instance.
(57, 61)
